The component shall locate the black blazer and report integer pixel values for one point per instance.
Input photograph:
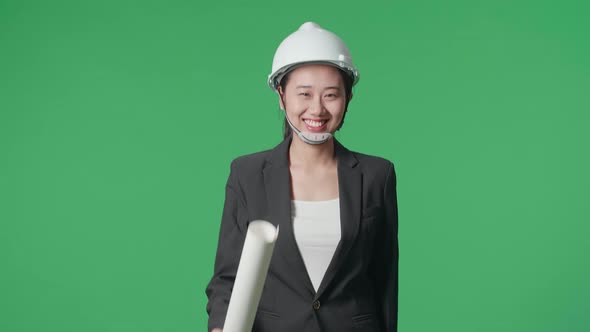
(360, 288)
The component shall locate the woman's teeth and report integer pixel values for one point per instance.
(313, 123)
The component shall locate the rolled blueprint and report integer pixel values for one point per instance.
(258, 247)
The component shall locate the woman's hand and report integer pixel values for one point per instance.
(217, 330)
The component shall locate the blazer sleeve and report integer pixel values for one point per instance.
(384, 267)
(229, 248)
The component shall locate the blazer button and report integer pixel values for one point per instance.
(316, 305)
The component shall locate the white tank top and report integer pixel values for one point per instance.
(316, 226)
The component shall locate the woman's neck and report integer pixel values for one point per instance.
(304, 154)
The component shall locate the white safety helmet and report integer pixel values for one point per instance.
(310, 44)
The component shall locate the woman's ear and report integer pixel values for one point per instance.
(348, 101)
(281, 103)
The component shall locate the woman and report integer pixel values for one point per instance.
(334, 266)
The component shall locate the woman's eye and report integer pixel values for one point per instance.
(304, 94)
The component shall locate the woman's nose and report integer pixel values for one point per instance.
(316, 107)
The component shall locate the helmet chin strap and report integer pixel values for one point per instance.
(307, 137)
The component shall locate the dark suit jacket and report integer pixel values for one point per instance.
(360, 288)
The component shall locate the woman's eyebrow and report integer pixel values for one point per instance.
(309, 86)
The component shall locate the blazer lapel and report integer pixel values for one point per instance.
(277, 181)
(350, 187)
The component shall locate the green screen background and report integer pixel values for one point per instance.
(118, 121)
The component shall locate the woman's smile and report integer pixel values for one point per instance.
(315, 126)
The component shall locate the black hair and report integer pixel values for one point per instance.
(348, 81)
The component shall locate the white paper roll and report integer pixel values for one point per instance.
(258, 247)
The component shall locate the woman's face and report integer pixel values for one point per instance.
(314, 98)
